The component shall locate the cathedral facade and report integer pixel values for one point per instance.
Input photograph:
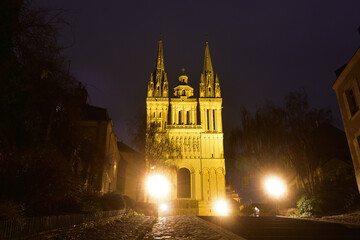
(194, 126)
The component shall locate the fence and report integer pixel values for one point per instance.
(26, 226)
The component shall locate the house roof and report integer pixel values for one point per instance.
(344, 70)
(331, 142)
(93, 113)
(125, 148)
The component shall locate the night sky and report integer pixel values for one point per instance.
(261, 50)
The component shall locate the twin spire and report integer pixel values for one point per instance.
(207, 59)
(160, 57)
(158, 84)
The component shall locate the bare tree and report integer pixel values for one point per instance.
(277, 140)
(154, 142)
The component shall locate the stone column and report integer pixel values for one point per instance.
(202, 118)
(213, 187)
(176, 116)
(219, 120)
(211, 123)
(205, 175)
(192, 181)
(215, 120)
(173, 119)
(185, 116)
(220, 182)
(198, 187)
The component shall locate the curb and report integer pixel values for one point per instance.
(348, 225)
(222, 231)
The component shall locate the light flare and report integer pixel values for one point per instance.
(275, 187)
(164, 207)
(221, 207)
(158, 186)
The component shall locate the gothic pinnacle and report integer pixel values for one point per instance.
(159, 64)
(207, 60)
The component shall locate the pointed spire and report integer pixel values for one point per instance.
(159, 64)
(158, 84)
(207, 60)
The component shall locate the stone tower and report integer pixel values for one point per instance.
(194, 126)
(157, 102)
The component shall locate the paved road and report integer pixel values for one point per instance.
(143, 228)
(270, 228)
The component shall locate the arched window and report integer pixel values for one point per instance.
(183, 183)
(180, 117)
(159, 114)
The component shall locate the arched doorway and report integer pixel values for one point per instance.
(183, 183)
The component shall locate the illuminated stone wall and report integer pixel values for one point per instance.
(194, 127)
(347, 88)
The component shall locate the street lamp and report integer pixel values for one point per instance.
(158, 187)
(221, 207)
(275, 188)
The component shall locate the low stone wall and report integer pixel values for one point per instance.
(27, 226)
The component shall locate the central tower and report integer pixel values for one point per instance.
(194, 127)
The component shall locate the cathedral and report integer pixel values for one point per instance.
(194, 125)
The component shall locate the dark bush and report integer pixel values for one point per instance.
(309, 206)
(339, 195)
(9, 210)
(112, 201)
(129, 203)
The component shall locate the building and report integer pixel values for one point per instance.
(347, 87)
(131, 173)
(98, 148)
(194, 127)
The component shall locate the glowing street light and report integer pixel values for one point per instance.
(221, 207)
(275, 187)
(164, 207)
(158, 186)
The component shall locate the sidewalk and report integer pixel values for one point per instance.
(349, 219)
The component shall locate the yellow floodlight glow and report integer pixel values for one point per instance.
(158, 186)
(275, 187)
(221, 207)
(164, 207)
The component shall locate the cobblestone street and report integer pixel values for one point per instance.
(143, 227)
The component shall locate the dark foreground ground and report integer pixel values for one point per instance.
(195, 228)
(142, 228)
(284, 228)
